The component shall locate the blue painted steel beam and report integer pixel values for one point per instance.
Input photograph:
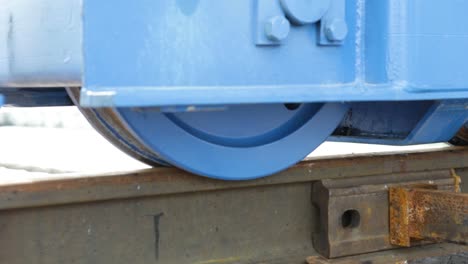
(402, 123)
(396, 70)
(40, 43)
(207, 52)
(199, 52)
(34, 97)
(188, 54)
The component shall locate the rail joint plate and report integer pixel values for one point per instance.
(353, 214)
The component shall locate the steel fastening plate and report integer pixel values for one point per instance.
(418, 213)
(353, 214)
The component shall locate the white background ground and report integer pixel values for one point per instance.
(58, 142)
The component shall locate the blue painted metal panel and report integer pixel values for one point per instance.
(210, 85)
(40, 43)
(440, 123)
(34, 97)
(204, 52)
(402, 123)
(385, 121)
(429, 39)
(173, 52)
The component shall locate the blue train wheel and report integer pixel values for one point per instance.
(108, 124)
(240, 143)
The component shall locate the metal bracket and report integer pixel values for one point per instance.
(274, 19)
(354, 213)
(426, 213)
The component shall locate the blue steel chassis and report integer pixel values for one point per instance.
(394, 71)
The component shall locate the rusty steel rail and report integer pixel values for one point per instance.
(425, 213)
(166, 181)
(439, 253)
(354, 213)
(165, 215)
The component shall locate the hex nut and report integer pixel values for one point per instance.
(336, 30)
(277, 28)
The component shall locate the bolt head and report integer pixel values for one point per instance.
(277, 28)
(336, 30)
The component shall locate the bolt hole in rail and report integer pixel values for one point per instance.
(238, 90)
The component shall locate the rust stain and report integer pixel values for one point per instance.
(417, 214)
(399, 218)
(144, 176)
(463, 134)
(219, 261)
(317, 260)
(457, 180)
